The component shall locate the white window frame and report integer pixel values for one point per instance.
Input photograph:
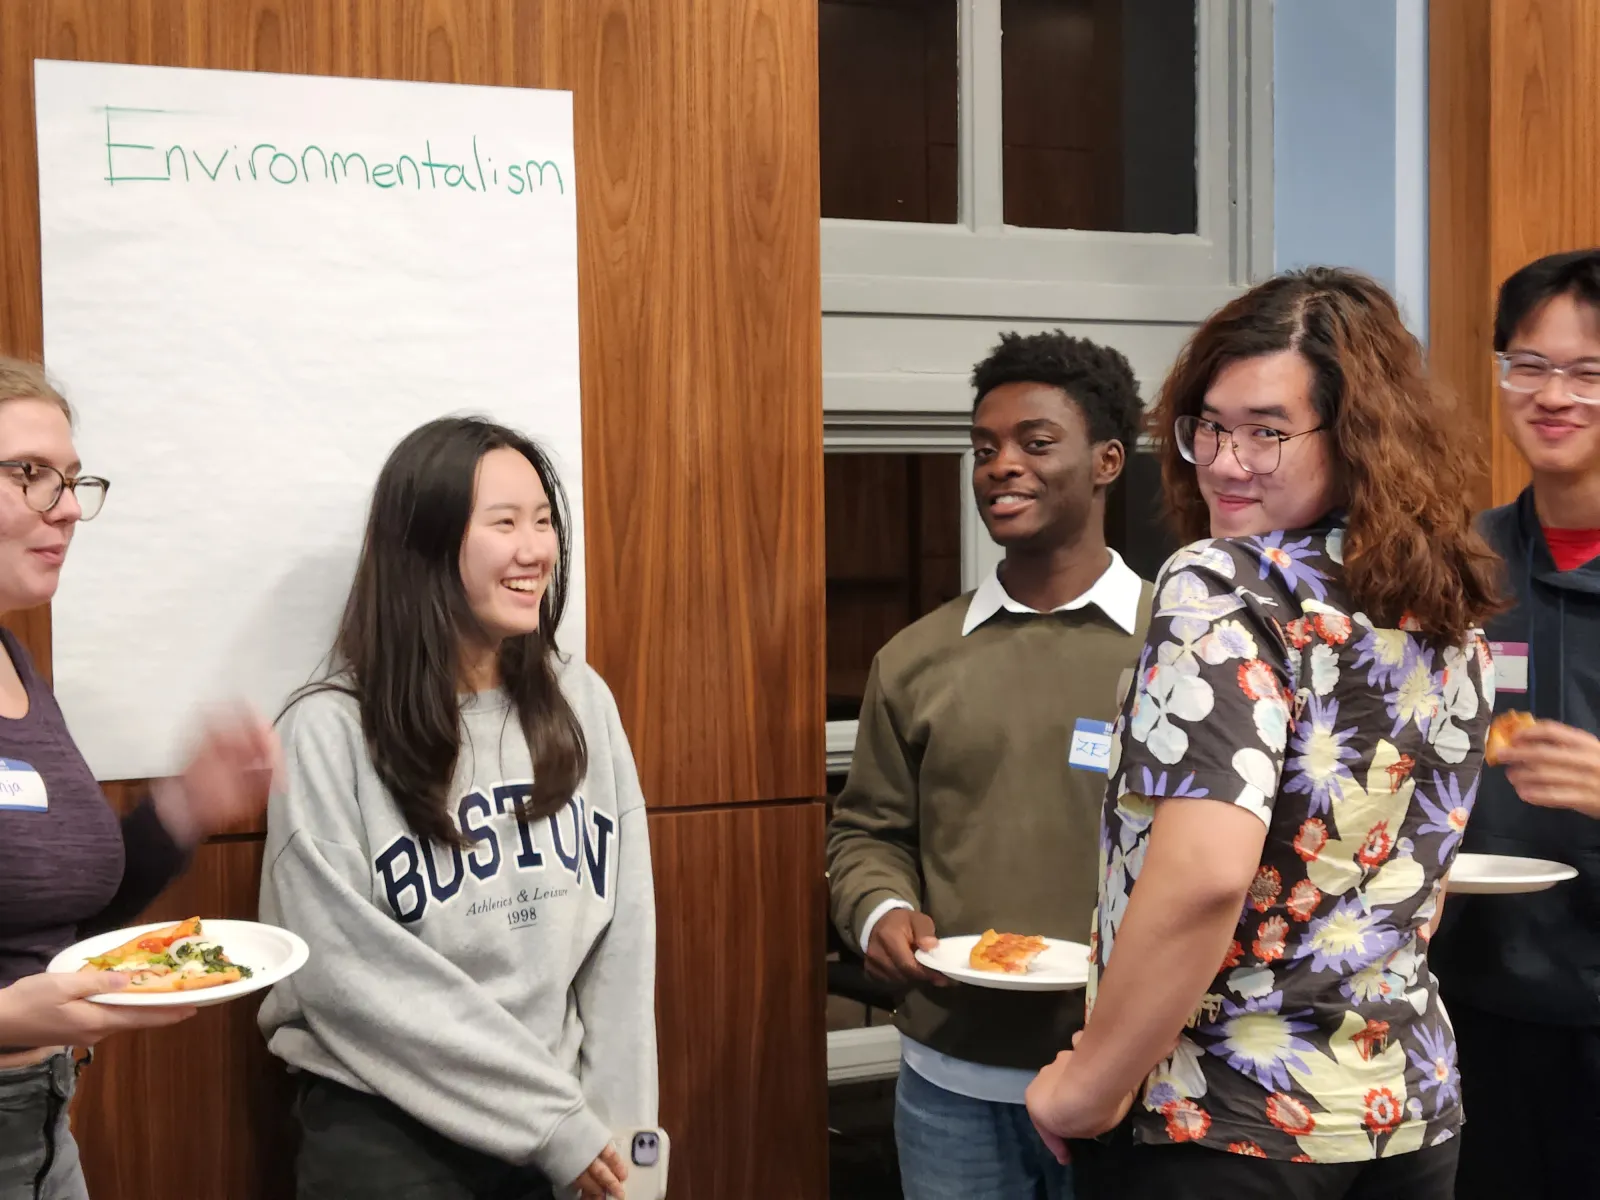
(982, 267)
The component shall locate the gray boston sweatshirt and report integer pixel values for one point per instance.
(503, 994)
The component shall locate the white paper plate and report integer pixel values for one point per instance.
(270, 953)
(1504, 874)
(1062, 967)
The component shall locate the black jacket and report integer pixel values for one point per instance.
(1534, 957)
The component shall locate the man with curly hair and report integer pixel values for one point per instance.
(974, 792)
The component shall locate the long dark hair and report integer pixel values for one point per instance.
(1402, 449)
(399, 649)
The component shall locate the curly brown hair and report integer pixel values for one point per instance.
(1403, 455)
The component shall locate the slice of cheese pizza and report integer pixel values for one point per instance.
(1006, 953)
(179, 958)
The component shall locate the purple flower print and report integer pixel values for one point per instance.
(1348, 938)
(1259, 1039)
(1449, 815)
(1418, 694)
(1293, 562)
(1156, 787)
(1319, 754)
(1437, 1062)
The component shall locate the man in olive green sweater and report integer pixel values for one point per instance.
(975, 789)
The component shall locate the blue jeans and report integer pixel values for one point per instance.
(955, 1148)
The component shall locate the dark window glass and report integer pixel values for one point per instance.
(1098, 111)
(888, 109)
(893, 555)
(1135, 525)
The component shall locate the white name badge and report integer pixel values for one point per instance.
(21, 788)
(1510, 666)
(1091, 745)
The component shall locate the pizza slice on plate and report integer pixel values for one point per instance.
(1006, 953)
(178, 958)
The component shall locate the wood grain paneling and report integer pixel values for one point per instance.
(1460, 290)
(702, 367)
(746, 1020)
(700, 303)
(206, 1093)
(1514, 115)
(696, 143)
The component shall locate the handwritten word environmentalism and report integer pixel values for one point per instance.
(160, 161)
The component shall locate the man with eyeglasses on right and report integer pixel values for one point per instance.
(1520, 974)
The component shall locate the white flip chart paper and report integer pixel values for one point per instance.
(254, 286)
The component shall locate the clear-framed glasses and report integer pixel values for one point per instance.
(1256, 448)
(42, 486)
(1524, 374)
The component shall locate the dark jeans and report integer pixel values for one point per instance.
(1532, 1098)
(1122, 1170)
(38, 1158)
(360, 1147)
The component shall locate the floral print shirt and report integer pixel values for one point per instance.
(1322, 1038)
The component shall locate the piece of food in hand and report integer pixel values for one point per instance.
(179, 958)
(1503, 730)
(1006, 953)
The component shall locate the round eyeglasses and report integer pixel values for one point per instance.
(1256, 448)
(1524, 374)
(42, 486)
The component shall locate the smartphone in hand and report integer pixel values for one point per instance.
(646, 1152)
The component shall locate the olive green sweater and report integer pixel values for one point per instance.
(961, 802)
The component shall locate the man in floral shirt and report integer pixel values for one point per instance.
(1323, 1019)
(1289, 777)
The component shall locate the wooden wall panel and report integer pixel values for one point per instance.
(1514, 113)
(696, 132)
(702, 368)
(223, 1112)
(1460, 290)
(700, 298)
(741, 901)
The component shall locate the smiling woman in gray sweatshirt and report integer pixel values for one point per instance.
(461, 840)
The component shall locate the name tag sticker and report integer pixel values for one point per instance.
(1091, 745)
(21, 788)
(1510, 666)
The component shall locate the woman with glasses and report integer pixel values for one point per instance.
(1289, 775)
(68, 866)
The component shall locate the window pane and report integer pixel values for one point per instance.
(1098, 112)
(888, 109)
(893, 555)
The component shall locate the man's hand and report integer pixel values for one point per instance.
(1061, 1109)
(891, 955)
(1555, 766)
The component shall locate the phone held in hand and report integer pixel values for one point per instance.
(646, 1152)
